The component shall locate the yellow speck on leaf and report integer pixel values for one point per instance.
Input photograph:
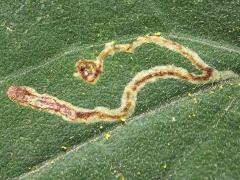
(195, 100)
(101, 127)
(123, 119)
(52, 162)
(194, 115)
(189, 94)
(122, 178)
(165, 165)
(64, 148)
(221, 86)
(158, 34)
(173, 119)
(107, 135)
(211, 92)
(9, 29)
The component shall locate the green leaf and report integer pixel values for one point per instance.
(170, 135)
(177, 140)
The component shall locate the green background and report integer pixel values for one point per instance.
(169, 136)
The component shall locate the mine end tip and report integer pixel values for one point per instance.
(18, 93)
(11, 91)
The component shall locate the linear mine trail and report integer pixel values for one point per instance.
(90, 70)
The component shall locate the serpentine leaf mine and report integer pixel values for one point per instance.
(90, 70)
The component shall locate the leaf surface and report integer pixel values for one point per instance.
(167, 136)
